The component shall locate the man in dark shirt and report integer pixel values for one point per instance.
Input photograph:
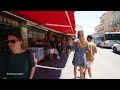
(19, 65)
(3, 66)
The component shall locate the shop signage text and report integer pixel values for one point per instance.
(8, 21)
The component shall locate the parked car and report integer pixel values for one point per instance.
(116, 48)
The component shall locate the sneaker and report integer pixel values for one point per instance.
(88, 78)
(58, 57)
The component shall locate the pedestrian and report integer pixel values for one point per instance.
(90, 55)
(20, 62)
(79, 59)
(53, 48)
(64, 45)
(70, 44)
(59, 46)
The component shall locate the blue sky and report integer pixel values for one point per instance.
(88, 19)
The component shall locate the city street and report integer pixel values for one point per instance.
(105, 66)
(54, 32)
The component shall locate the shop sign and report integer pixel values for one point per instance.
(8, 21)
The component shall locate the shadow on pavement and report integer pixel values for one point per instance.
(45, 73)
(116, 53)
(105, 47)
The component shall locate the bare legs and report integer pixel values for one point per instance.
(75, 72)
(89, 72)
(81, 72)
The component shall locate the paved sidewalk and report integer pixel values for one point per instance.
(67, 72)
(57, 68)
(48, 72)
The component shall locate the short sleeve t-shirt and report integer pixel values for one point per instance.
(19, 65)
(3, 66)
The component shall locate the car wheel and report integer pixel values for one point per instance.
(114, 49)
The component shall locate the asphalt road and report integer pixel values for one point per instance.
(105, 66)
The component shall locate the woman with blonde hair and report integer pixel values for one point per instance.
(79, 59)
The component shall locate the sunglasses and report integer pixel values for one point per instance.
(11, 41)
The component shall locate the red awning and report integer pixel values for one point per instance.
(62, 21)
